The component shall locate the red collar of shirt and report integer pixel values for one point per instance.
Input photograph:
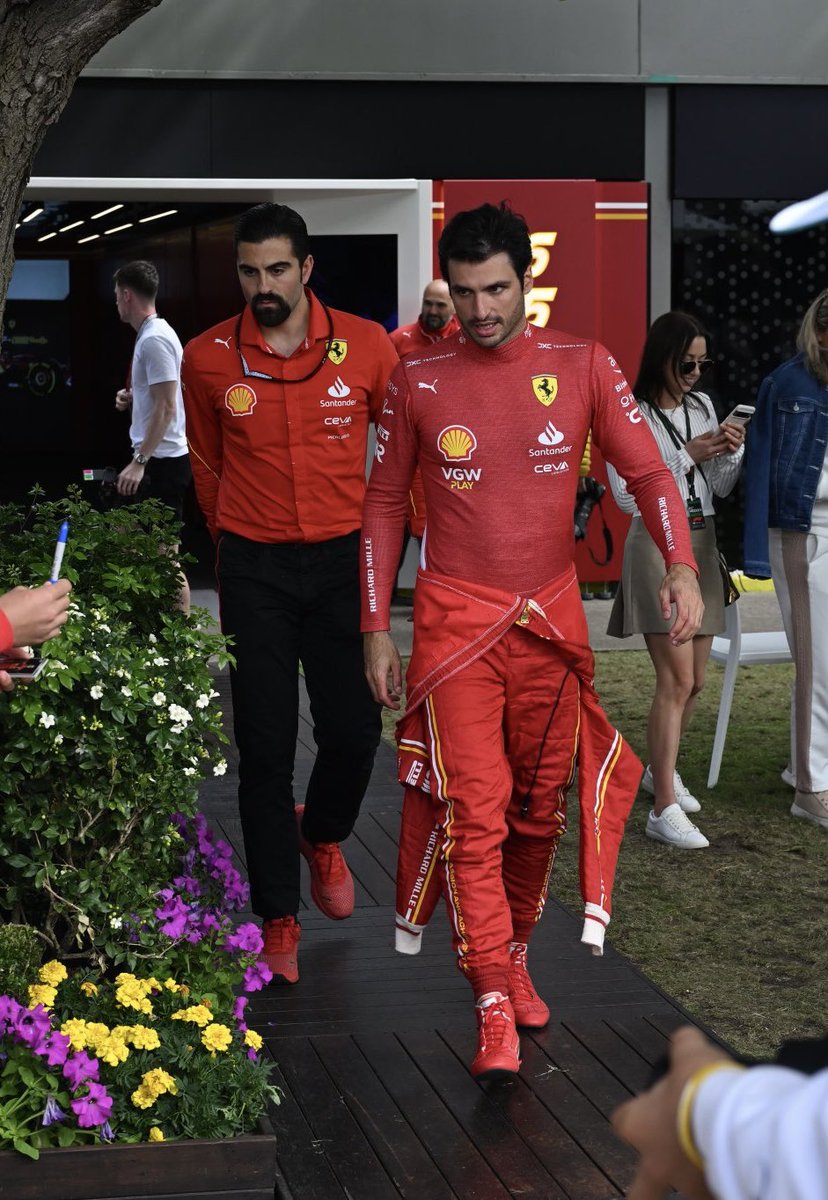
(318, 329)
(451, 326)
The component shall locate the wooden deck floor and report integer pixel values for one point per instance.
(372, 1048)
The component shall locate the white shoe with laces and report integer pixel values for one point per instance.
(673, 828)
(684, 797)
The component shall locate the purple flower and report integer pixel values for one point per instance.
(52, 1112)
(9, 1010)
(188, 884)
(173, 916)
(107, 1133)
(79, 1068)
(251, 1053)
(32, 1026)
(94, 1108)
(257, 976)
(247, 939)
(56, 1048)
(239, 1007)
(194, 936)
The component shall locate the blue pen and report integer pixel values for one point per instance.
(63, 534)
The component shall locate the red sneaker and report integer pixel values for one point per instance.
(498, 1045)
(332, 885)
(530, 1010)
(281, 948)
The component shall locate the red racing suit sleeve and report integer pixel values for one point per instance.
(385, 361)
(204, 439)
(385, 508)
(626, 441)
(6, 633)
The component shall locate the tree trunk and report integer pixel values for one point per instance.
(44, 45)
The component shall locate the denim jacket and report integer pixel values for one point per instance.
(784, 457)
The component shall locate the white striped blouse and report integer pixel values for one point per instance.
(720, 474)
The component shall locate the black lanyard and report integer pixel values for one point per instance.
(248, 374)
(679, 442)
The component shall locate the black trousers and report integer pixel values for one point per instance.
(284, 604)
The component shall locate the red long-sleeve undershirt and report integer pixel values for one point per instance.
(498, 435)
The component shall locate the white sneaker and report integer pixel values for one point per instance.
(688, 802)
(787, 776)
(674, 829)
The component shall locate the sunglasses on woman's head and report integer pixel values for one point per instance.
(687, 368)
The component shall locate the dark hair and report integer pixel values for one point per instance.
(265, 221)
(480, 233)
(667, 343)
(140, 277)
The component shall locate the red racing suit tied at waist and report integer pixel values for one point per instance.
(455, 623)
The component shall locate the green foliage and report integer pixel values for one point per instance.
(114, 735)
(20, 953)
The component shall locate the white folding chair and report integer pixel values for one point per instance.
(734, 649)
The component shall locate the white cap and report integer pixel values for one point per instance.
(801, 215)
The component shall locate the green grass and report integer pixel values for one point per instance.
(733, 932)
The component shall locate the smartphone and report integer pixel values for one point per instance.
(740, 415)
(24, 669)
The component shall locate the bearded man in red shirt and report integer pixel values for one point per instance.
(500, 700)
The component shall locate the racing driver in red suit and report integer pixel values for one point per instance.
(500, 701)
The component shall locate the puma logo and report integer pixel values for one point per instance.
(224, 341)
(429, 387)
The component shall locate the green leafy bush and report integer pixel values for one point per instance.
(112, 738)
(20, 954)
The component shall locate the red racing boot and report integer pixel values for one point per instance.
(498, 1045)
(281, 948)
(530, 1011)
(332, 885)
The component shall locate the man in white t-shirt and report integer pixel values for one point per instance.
(160, 465)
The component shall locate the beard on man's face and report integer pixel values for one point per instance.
(270, 309)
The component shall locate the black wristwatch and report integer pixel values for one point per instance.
(140, 458)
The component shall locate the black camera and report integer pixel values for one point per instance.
(584, 504)
(106, 478)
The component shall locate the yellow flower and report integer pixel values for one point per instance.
(161, 1081)
(125, 977)
(75, 1030)
(131, 995)
(42, 993)
(52, 973)
(143, 1038)
(171, 985)
(253, 1039)
(96, 1032)
(89, 988)
(143, 1097)
(197, 1013)
(155, 1134)
(216, 1037)
(112, 1050)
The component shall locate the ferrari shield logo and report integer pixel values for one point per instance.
(545, 388)
(337, 351)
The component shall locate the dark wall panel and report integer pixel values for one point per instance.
(759, 142)
(324, 129)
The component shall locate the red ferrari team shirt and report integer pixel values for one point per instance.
(499, 434)
(275, 460)
(409, 339)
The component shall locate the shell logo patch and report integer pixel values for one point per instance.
(240, 399)
(545, 388)
(456, 443)
(337, 351)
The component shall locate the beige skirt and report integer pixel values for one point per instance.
(636, 608)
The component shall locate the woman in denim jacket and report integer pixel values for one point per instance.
(786, 537)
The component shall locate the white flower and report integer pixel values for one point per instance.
(47, 720)
(56, 665)
(105, 628)
(189, 770)
(122, 674)
(158, 661)
(214, 695)
(220, 768)
(159, 698)
(152, 638)
(58, 739)
(115, 922)
(93, 654)
(125, 691)
(97, 691)
(203, 700)
(179, 715)
(177, 728)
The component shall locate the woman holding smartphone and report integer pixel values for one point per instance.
(705, 459)
(786, 536)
